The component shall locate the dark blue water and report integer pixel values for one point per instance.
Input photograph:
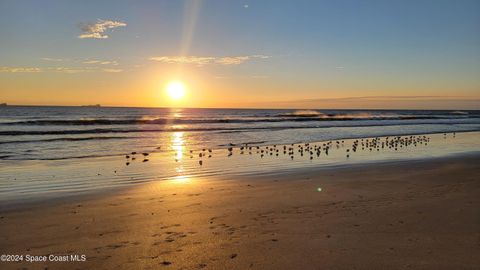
(34, 133)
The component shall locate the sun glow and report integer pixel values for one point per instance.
(176, 90)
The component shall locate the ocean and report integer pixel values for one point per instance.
(59, 133)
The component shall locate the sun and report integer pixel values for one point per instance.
(176, 90)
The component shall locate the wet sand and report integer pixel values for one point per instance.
(418, 214)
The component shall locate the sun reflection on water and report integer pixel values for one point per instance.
(178, 145)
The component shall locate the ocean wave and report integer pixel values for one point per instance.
(296, 117)
(460, 113)
(303, 113)
(320, 116)
(216, 129)
(68, 139)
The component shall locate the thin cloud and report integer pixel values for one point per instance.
(68, 70)
(236, 60)
(261, 56)
(197, 60)
(390, 97)
(52, 59)
(242, 77)
(207, 60)
(86, 61)
(100, 62)
(112, 70)
(91, 62)
(97, 30)
(19, 69)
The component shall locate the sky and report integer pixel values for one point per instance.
(410, 54)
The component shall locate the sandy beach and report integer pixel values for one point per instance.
(233, 135)
(417, 214)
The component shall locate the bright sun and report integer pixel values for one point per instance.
(176, 90)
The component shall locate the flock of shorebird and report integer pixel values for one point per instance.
(131, 156)
(310, 149)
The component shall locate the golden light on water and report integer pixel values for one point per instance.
(178, 144)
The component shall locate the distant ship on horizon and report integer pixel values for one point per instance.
(3, 104)
(94, 105)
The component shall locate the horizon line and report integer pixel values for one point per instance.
(233, 108)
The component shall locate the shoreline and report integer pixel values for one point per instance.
(18, 203)
(379, 216)
(29, 203)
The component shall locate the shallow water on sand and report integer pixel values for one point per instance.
(33, 179)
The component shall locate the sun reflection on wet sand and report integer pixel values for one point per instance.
(181, 179)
